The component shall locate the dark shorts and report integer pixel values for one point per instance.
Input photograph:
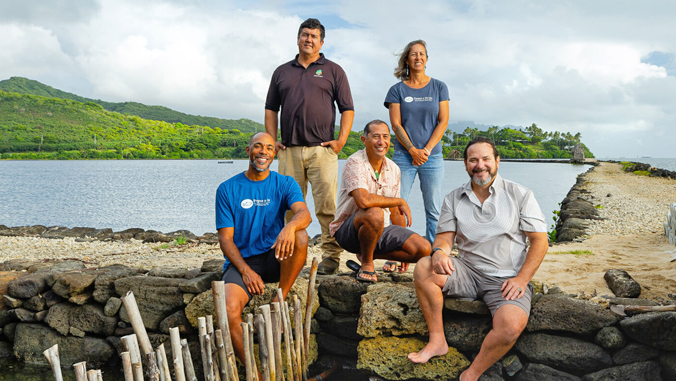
(265, 265)
(468, 283)
(392, 239)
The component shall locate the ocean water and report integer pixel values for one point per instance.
(662, 163)
(169, 195)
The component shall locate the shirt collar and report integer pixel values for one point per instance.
(386, 167)
(498, 185)
(320, 61)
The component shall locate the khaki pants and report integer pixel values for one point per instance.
(319, 166)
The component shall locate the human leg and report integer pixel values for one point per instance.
(408, 171)
(431, 175)
(401, 244)
(236, 298)
(508, 323)
(369, 227)
(291, 267)
(291, 163)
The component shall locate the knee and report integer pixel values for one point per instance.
(375, 217)
(301, 238)
(234, 309)
(419, 247)
(423, 269)
(510, 331)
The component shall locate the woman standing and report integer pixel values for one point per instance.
(419, 116)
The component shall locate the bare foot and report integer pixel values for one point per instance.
(428, 352)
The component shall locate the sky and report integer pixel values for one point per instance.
(606, 69)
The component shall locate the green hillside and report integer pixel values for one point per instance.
(28, 86)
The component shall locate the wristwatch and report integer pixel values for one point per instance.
(435, 250)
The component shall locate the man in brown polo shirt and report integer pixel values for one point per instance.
(306, 88)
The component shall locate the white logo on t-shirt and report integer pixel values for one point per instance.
(246, 203)
(408, 99)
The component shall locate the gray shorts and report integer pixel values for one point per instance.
(392, 239)
(468, 282)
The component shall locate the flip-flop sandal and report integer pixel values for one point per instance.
(366, 280)
(352, 265)
(391, 264)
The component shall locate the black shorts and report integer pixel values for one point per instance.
(392, 239)
(265, 265)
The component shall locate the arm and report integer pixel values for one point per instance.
(439, 130)
(441, 260)
(346, 119)
(401, 216)
(419, 156)
(271, 118)
(252, 281)
(286, 238)
(534, 256)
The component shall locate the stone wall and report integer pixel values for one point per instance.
(576, 211)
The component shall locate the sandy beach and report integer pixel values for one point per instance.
(631, 238)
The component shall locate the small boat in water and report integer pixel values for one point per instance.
(225, 162)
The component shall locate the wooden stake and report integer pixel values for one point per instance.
(163, 363)
(300, 340)
(222, 358)
(187, 361)
(262, 347)
(126, 366)
(218, 293)
(137, 322)
(99, 376)
(310, 301)
(152, 370)
(214, 352)
(249, 321)
(92, 375)
(202, 329)
(277, 340)
(177, 359)
(131, 345)
(210, 360)
(247, 352)
(267, 320)
(80, 371)
(137, 369)
(290, 342)
(287, 340)
(52, 355)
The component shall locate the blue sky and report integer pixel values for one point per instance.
(606, 69)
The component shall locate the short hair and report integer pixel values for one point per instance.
(400, 70)
(254, 135)
(367, 128)
(312, 24)
(481, 139)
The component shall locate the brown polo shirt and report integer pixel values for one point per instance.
(306, 97)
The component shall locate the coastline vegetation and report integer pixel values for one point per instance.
(64, 126)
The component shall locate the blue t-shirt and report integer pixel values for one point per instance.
(419, 111)
(255, 209)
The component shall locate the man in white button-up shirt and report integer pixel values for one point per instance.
(490, 219)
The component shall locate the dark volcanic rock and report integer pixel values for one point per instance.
(9, 331)
(27, 286)
(73, 283)
(51, 298)
(561, 313)
(213, 265)
(59, 317)
(36, 303)
(201, 283)
(167, 272)
(622, 284)
(640, 371)
(88, 318)
(323, 314)
(477, 307)
(657, 329)
(634, 352)
(127, 234)
(55, 267)
(668, 364)
(341, 294)
(539, 372)
(177, 319)
(24, 315)
(631, 302)
(343, 326)
(62, 232)
(610, 338)
(334, 345)
(494, 373)
(33, 339)
(112, 306)
(104, 285)
(24, 231)
(5, 349)
(570, 355)
(156, 297)
(466, 333)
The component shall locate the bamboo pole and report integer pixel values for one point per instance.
(215, 368)
(210, 360)
(247, 353)
(286, 332)
(91, 375)
(177, 359)
(202, 329)
(249, 321)
(262, 347)
(80, 370)
(126, 366)
(52, 355)
(267, 320)
(277, 340)
(310, 301)
(187, 361)
(218, 291)
(222, 358)
(163, 363)
(300, 340)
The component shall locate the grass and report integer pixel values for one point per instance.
(642, 173)
(577, 253)
(180, 240)
(599, 206)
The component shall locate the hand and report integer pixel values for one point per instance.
(419, 156)
(442, 264)
(278, 146)
(514, 288)
(335, 145)
(284, 244)
(253, 282)
(406, 211)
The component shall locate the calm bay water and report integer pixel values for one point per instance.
(662, 163)
(169, 195)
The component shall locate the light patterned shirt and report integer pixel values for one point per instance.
(358, 173)
(491, 237)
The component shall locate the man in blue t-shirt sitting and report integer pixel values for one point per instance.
(258, 248)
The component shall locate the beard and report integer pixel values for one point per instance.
(480, 182)
(258, 167)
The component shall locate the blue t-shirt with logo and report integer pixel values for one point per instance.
(255, 209)
(419, 111)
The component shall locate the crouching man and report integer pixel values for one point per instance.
(490, 219)
(367, 201)
(258, 248)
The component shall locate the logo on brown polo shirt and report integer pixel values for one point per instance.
(318, 73)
